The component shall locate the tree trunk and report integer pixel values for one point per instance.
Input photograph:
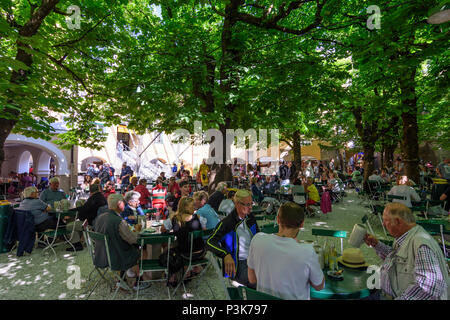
(369, 160)
(389, 155)
(410, 146)
(221, 172)
(229, 81)
(297, 151)
(29, 29)
(410, 139)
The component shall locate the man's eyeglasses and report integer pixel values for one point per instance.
(248, 205)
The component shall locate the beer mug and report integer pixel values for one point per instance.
(356, 238)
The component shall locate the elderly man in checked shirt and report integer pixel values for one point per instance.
(415, 267)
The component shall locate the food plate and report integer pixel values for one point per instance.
(156, 224)
(148, 230)
(337, 275)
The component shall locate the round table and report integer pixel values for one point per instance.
(353, 286)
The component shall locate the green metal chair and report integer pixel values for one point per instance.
(300, 197)
(434, 227)
(331, 233)
(269, 229)
(189, 263)
(91, 237)
(49, 237)
(391, 197)
(153, 265)
(378, 211)
(365, 221)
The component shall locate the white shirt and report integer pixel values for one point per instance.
(284, 267)
(405, 191)
(245, 237)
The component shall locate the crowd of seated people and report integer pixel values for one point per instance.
(246, 261)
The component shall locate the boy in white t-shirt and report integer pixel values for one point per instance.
(279, 265)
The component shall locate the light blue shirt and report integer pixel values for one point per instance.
(36, 207)
(49, 196)
(210, 215)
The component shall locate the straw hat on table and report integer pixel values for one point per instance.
(352, 258)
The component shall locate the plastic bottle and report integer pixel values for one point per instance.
(325, 253)
(331, 258)
(319, 252)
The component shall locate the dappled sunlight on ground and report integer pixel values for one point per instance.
(39, 276)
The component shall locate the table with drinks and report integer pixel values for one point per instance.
(147, 228)
(341, 282)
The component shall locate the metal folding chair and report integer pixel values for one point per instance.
(189, 263)
(153, 265)
(435, 227)
(91, 237)
(59, 231)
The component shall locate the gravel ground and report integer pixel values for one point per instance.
(39, 277)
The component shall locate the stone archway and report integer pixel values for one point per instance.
(93, 159)
(62, 165)
(23, 165)
(43, 165)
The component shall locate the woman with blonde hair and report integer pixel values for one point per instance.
(181, 223)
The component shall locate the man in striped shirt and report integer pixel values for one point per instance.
(415, 267)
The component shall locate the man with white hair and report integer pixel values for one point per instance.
(122, 242)
(132, 208)
(217, 196)
(38, 209)
(53, 193)
(232, 236)
(415, 267)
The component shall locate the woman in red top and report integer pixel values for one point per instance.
(109, 189)
(173, 186)
(145, 194)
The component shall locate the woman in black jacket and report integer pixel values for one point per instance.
(88, 212)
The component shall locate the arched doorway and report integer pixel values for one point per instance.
(25, 162)
(91, 160)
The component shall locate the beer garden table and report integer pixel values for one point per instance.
(354, 285)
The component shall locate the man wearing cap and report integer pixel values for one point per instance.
(53, 193)
(88, 211)
(280, 266)
(232, 236)
(415, 267)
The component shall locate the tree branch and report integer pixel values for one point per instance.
(272, 23)
(56, 10)
(32, 8)
(215, 10)
(71, 42)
